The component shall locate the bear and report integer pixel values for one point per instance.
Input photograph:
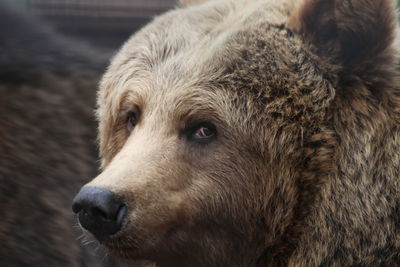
(47, 149)
(252, 133)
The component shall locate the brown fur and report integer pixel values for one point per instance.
(305, 167)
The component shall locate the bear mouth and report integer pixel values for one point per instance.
(129, 252)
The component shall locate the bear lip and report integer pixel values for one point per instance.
(126, 251)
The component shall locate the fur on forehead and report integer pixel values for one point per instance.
(194, 36)
(211, 24)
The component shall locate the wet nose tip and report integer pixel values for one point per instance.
(99, 211)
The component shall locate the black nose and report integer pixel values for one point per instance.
(99, 211)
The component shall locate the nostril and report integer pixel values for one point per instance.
(99, 213)
(76, 208)
(121, 214)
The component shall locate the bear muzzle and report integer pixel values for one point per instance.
(99, 211)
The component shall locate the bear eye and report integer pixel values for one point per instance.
(132, 119)
(202, 132)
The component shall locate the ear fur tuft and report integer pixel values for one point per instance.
(352, 31)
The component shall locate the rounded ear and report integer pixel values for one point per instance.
(352, 32)
(186, 3)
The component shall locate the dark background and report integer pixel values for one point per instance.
(103, 23)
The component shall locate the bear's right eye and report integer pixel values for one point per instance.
(132, 119)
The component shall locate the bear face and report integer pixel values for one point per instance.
(217, 125)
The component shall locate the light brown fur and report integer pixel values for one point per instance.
(305, 168)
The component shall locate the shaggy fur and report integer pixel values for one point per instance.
(305, 167)
(47, 148)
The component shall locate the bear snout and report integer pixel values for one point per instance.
(99, 211)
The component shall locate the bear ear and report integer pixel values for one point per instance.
(186, 3)
(353, 32)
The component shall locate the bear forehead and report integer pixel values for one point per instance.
(241, 46)
(203, 37)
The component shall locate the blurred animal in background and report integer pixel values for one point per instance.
(47, 142)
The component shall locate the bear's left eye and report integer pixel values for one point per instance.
(202, 132)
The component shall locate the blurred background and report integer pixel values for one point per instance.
(104, 23)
